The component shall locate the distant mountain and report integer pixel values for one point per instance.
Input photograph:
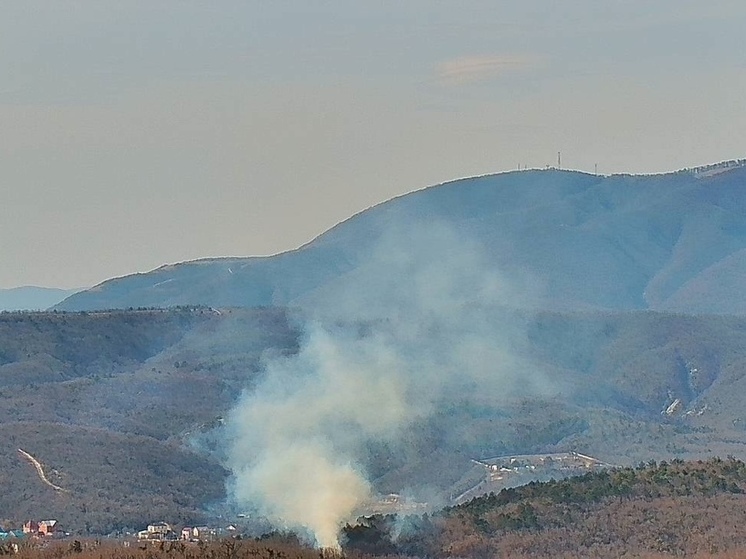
(30, 298)
(563, 239)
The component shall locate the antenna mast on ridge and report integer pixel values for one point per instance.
(559, 160)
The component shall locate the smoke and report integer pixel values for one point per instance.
(420, 320)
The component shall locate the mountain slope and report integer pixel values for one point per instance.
(579, 241)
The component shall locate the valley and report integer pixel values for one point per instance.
(127, 407)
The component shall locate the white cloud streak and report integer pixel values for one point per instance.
(477, 68)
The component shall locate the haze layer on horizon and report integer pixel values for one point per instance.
(139, 133)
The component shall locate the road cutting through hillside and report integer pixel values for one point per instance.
(40, 471)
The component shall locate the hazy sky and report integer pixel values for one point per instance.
(136, 133)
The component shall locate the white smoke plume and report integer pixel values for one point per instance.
(417, 320)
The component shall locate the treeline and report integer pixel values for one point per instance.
(651, 480)
(263, 548)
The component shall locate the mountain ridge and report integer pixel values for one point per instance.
(633, 240)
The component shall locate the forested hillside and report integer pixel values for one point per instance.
(679, 508)
(112, 404)
(126, 407)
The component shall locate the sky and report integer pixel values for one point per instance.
(138, 133)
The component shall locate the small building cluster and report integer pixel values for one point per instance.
(32, 529)
(43, 528)
(199, 534)
(11, 535)
(156, 532)
(159, 532)
(162, 531)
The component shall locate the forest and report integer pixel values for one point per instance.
(693, 508)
